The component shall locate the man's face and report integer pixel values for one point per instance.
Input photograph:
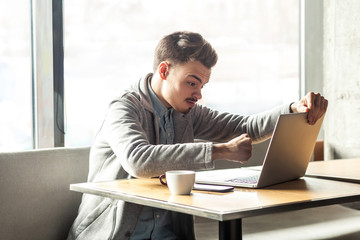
(183, 84)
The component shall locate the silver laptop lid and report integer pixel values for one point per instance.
(287, 156)
(290, 149)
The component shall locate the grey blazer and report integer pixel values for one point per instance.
(127, 146)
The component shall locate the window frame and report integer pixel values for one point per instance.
(47, 73)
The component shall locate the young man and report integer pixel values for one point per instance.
(151, 128)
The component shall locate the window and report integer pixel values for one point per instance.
(15, 75)
(109, 45)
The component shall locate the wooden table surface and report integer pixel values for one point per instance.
(303, 193)
(342, 169)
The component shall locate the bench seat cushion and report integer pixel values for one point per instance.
(36, 202)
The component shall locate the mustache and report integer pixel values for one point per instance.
(191, 99)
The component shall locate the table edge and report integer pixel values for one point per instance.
(214, 215)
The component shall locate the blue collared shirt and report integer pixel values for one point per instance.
(164, 117)
(155, 223)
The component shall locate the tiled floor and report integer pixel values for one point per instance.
(323, 223)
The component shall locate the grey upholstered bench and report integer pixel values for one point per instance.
(35, 201)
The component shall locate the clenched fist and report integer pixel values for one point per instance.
(238, 149)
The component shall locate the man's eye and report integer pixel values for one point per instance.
(191, 84)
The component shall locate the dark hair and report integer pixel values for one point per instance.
(181, 47)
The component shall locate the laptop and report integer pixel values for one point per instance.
(287, 157)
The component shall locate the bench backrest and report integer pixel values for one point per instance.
(36, 202)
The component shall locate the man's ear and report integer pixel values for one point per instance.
(163, 70)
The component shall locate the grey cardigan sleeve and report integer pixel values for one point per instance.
(220, 127)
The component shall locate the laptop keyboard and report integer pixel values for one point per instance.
(252, 179)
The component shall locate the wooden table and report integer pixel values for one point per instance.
(347, 170)
(228, 208)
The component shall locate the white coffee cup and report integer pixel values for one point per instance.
(179, 182)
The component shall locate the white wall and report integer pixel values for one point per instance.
(332, 67)
(342, 77)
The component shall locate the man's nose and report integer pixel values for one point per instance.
(197, 95)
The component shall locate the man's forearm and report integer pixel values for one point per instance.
(218, 151)
(238, 149)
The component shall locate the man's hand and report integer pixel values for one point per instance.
(238, 149)
(313, 103)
